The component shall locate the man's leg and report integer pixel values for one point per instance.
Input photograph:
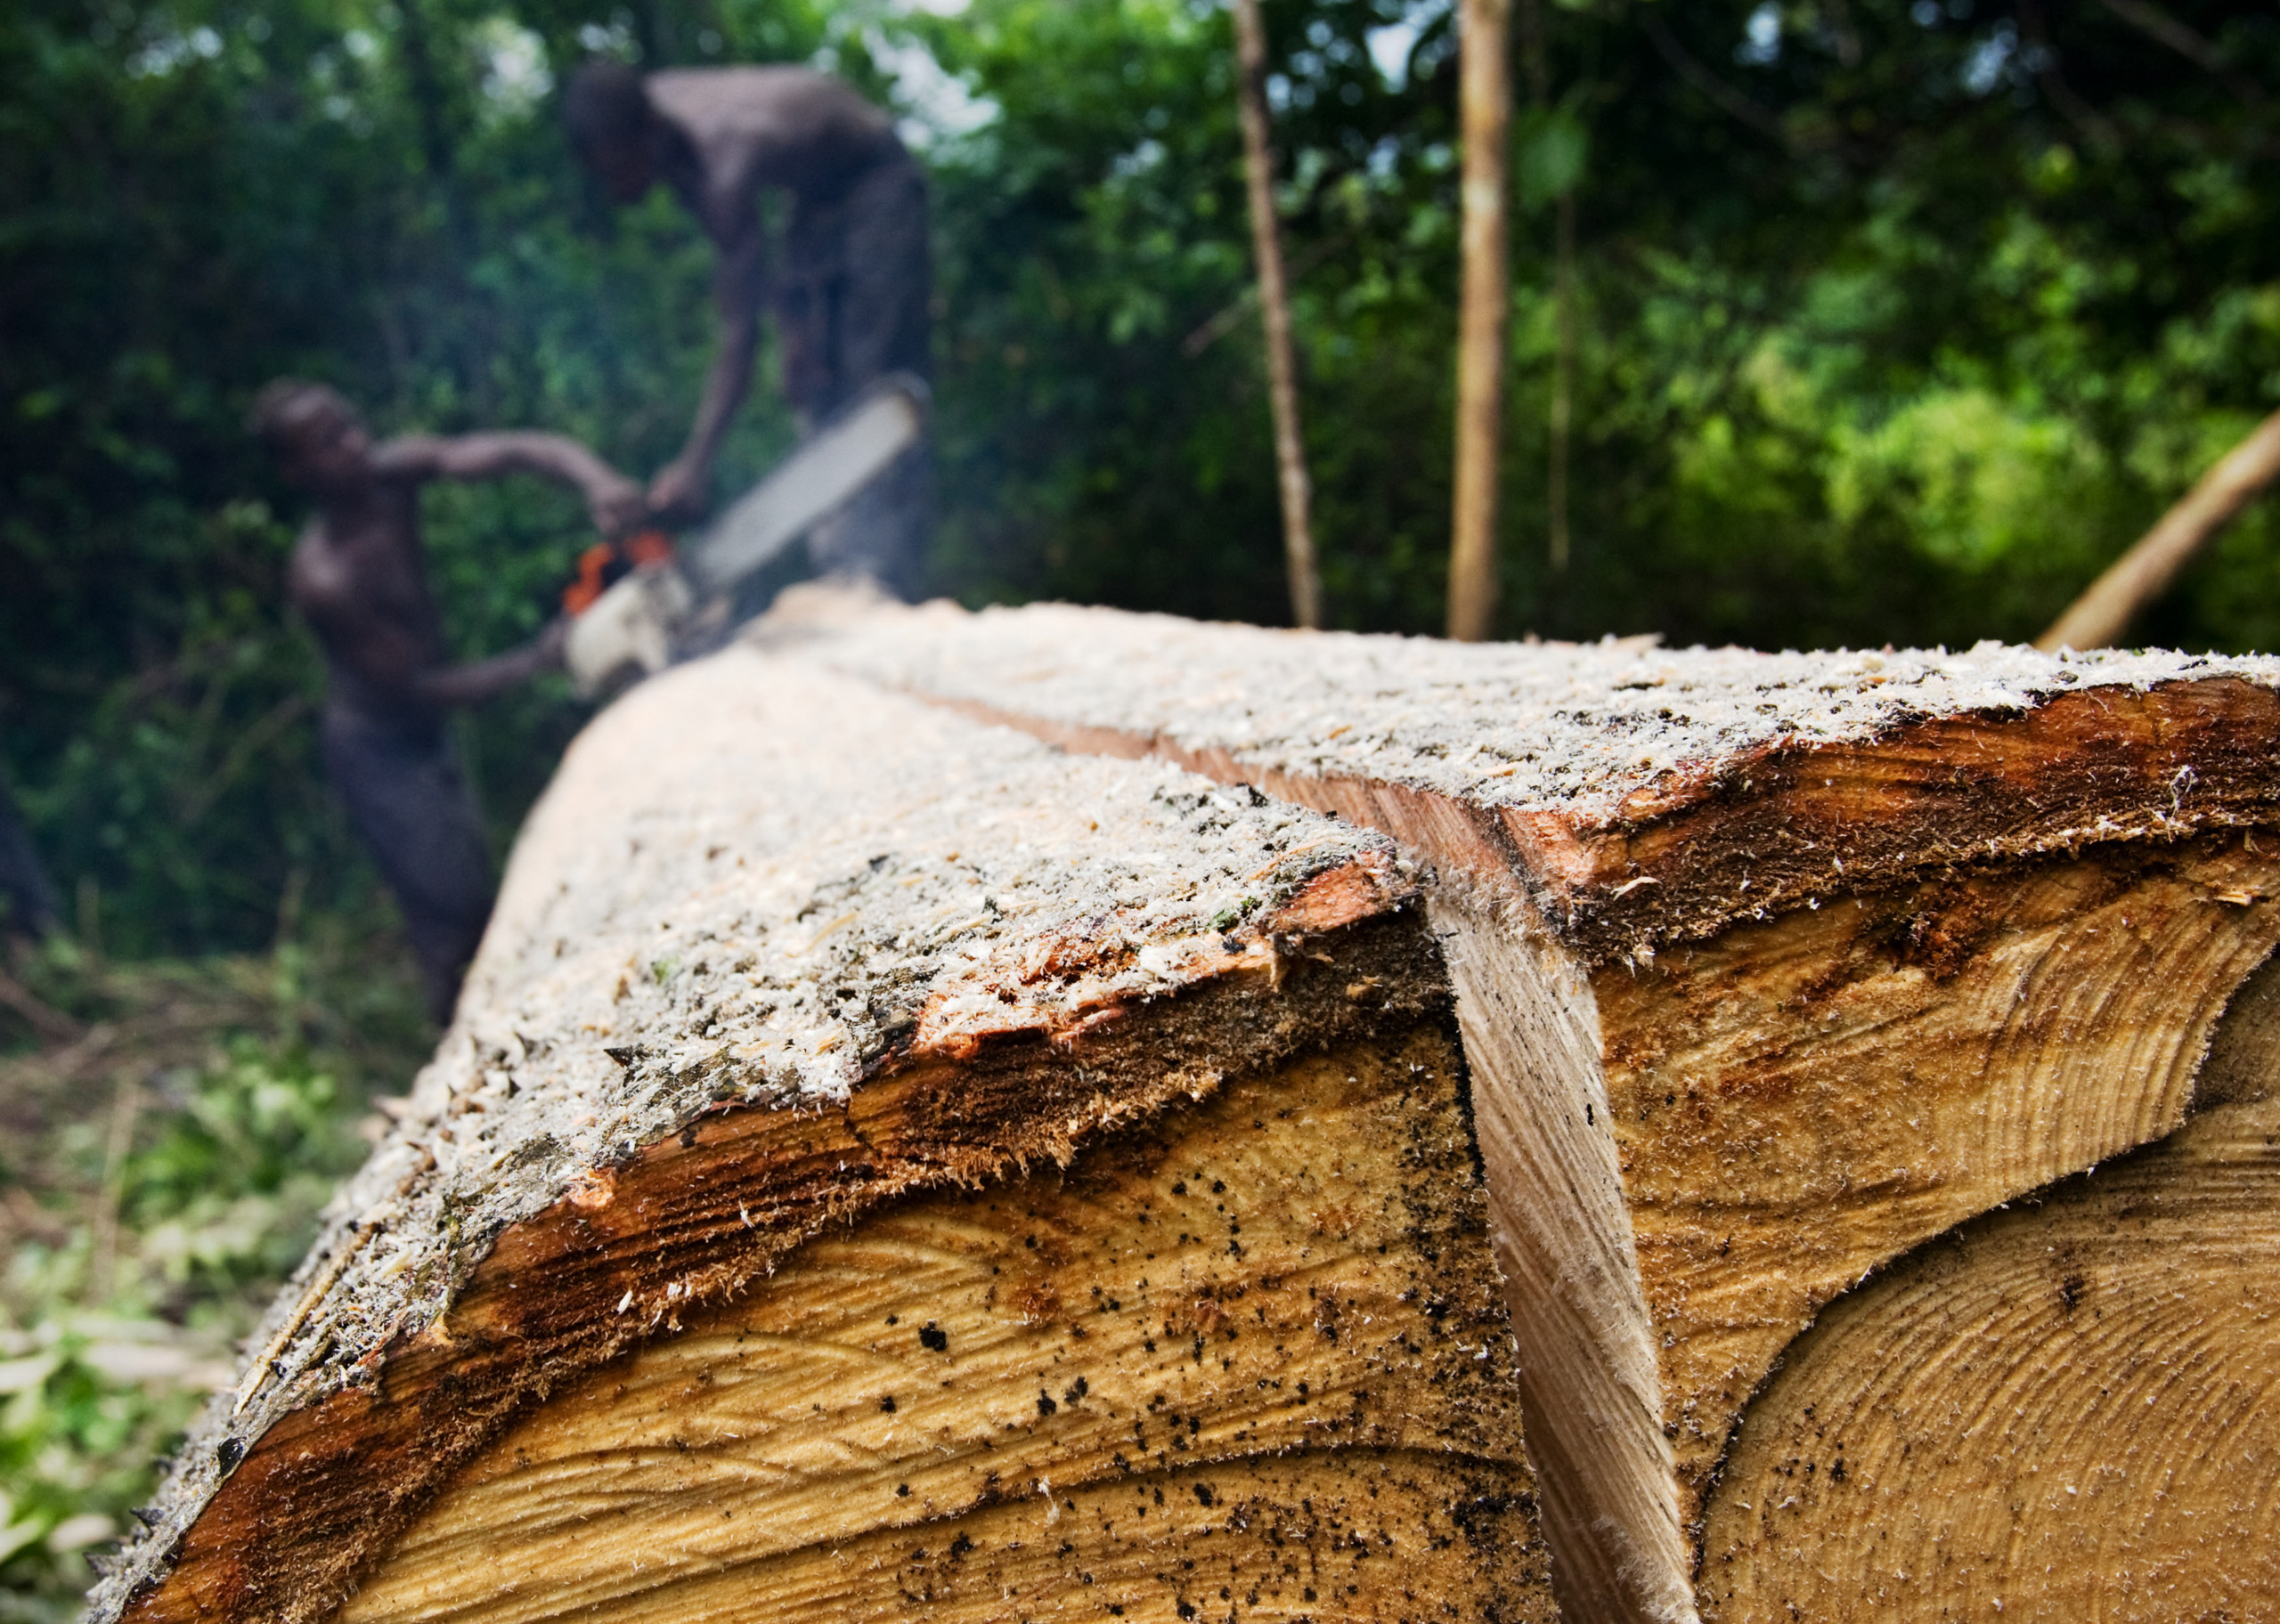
(408, 800)
(23, 882)
(883, 325)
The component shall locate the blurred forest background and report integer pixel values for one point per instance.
(1894, 320)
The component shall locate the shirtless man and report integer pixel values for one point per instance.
(850, 295)
(359, 578)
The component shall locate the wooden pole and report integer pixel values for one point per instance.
(1563, 373)
(2098, 618)
(1275, 305)
(1563, 297)
(1486, 92)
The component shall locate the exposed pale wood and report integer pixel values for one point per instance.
(1590, 1368)
(2068, 1410)
(1274, 307)
(1798, 1102)
(2098, 618)
(1485, 98)
(777, 952)
(1264, 1333)
(1769, 967)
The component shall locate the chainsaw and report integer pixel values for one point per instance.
(640, 605)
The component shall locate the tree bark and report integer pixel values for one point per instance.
(1274, 307)
(1485, 96)
(2098, 618)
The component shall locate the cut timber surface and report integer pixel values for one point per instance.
(1215, 1356)
(2070, 1409)
(1771, 972)
(851, 1098)
(1800, 1124)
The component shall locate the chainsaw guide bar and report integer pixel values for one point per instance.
(640, 624)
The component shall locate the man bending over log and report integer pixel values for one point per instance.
(359, 577)
(850, 295)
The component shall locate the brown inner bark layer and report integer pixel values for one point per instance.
(1770, 829)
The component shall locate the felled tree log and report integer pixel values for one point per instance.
(883, 1162)
(1778, 974)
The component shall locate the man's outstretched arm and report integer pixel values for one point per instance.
(393, 664)
(478, 680)
(737, 276)
(614, 501)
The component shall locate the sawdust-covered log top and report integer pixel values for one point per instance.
(882, 1161)
(1775, 973)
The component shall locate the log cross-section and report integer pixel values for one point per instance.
(1773, 970)
(880, 1160)
(1054, 1114)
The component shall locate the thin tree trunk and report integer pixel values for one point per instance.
(1563, 299)
(1487, 95)
(2098, 618)
(1275, 305)
(1563, 373)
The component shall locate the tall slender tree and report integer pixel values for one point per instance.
(1274, 306)
(1563, 296)
(1486, 93)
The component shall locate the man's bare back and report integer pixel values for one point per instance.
(749, 128)
(716, 136)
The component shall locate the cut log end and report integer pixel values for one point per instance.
(2065, 1410)
(1257, 1346)
(954, 1175)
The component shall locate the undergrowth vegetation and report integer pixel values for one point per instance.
(168, 1148)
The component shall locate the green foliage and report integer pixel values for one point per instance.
(1893, 321)
(151, 1208)
(231, 1188)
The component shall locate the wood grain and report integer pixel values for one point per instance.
(2070, 1409)
(1263, 1332)
(775, 950)
(1769, 967)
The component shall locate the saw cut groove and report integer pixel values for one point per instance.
(1264, 1333)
